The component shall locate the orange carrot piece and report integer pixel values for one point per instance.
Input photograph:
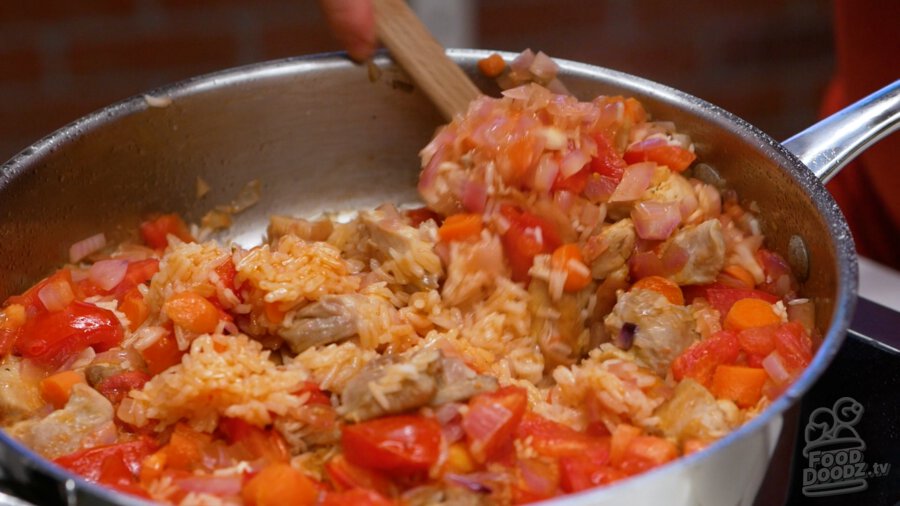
(460, 227)
(492, 66)
(740, 274)
(189, 310)
(185, 448)
(273, 312)
(57, 388)
(278, 484)
(750, 313)
(135, 308)
(741, 384)
(568, 258)
(669, 289)
(162, 354)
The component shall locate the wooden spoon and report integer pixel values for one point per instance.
(423, 57)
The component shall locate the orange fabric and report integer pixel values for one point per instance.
(867, 47)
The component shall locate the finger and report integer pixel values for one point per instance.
(353, 23)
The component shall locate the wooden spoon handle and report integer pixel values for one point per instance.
(416, 50)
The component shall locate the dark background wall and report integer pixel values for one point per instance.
(766, 60)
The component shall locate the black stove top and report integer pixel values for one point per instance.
(846, 445)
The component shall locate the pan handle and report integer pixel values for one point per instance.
(830, 144)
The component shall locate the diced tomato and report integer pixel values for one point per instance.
(184, 450)
(536, 479)
(647, 452)
(402, 443)
(552, 439)
(758, 341)
(356, 497)
(492, 418)
(51, 338)
(528, 236)
(607, 163)
(162, 354)
(419, 215)
(226, 272)
(579, 473)
(346, 476)
(722, 298)
(794, 346)
(251, 442)
(135, 308)
(155, 232)
(699, 360)
(116, 387)
(316, 395)
(658, 150)
(117, 465)
(574, 183)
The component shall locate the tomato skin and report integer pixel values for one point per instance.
(520, 240)
(316, 394)
(758, 341)
(646, 452)
(402, 443)
(794, 345)
(536, 479)
(419, 215)
(116, 465)
(552, 439)
(722, 298)
(138, 273)
(659, 151)
(51, 338)
(607, 163)
(251, 442)
(155, 232)
(346, 476)
(30, 299)
(116, 387)
(492, 418)
(700, 359)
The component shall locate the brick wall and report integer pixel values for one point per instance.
(766, 60)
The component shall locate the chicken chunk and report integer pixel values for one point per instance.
(693, 413)
(66, 430)
(662, 330)
(332, 319)
(705, 248)
(610, 250)
(472, 270)
(307, 230)
(406, 252)
(559, 325)
(396, 383)
(19, 397)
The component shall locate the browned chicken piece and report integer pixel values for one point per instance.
(396, 383)
(20, 398)
(472, 270)
(406, 252)
(658, 329)
(559, 325)
(307, 230)
(705, 248)
(609, 250)
(331, 319)
(693, 413)
(65, 430)
(605, 301)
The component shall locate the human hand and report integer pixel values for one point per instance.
(353, 23)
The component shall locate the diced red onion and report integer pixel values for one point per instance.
(645, 263)
(108, 273)
(599, 189)
(429, 175)
(543, 68)
(545, 173)
(87, 246)
(473, 482)
(655, 220)
(521, 62)
(625, 338)
(573, 162)
(557, 86)
(56, 295)
(563, 200)
(474, 196)
(517, 93)
(634, 182)
(774, 366)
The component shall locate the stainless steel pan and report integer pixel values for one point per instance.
(320, 135)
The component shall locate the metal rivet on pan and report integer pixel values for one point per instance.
(798, 257)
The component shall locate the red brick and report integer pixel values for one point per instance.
(20, 65)
(154, 51)
(55, 10)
